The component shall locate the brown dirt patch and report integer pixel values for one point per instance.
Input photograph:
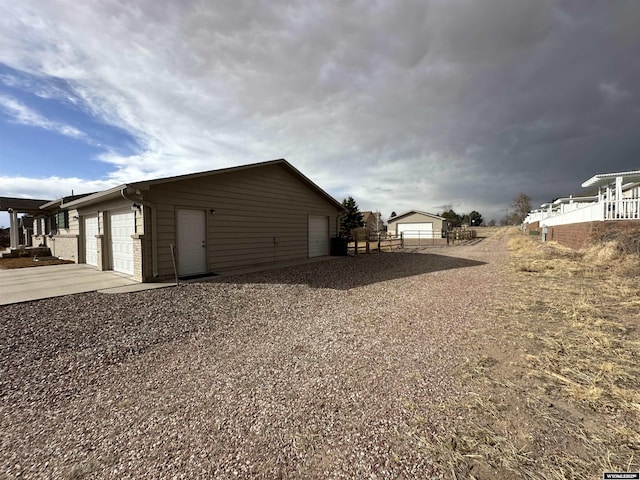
(25, 262)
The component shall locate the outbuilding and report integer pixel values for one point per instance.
(415, 224)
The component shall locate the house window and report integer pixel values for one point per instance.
(38, 226)
(62, 219)
(50, 225)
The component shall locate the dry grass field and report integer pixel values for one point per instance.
(554, 393)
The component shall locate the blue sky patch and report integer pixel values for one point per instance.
(44, 124)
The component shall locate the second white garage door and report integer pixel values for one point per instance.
(415, 230)
(122, 227)
(318, 236)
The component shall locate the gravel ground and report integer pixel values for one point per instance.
(338, 369)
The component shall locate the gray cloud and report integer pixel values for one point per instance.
(404, 105)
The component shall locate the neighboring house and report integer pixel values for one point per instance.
(53, 228)
(417, 224)
(15, 207)
(25, 223)
(373, 225)
(615, 200)
(207, 222)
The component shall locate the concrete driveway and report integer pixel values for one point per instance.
(34, 283)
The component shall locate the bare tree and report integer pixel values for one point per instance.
(378, 223)
(521, 206)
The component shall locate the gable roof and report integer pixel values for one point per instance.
(146, 184)
(397, 217)
(59, 202)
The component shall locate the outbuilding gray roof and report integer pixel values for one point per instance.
(393, 219)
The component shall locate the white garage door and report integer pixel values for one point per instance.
(318, 236)
(415, 230)
(122, 227)
(90, 241)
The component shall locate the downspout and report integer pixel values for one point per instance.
(154, 236)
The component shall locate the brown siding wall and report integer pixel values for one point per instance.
(260, 217)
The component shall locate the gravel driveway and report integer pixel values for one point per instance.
(338, 369)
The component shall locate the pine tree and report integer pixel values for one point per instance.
(476, 218)
(351, 219)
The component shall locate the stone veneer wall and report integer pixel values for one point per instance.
(65, 247)
(573, 235)
(582, 235)
(532, 227)
(138, 259)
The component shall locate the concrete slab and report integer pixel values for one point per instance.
(25, 284)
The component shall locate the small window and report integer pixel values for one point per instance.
(62, 219)
(50, 226)
(38, 226)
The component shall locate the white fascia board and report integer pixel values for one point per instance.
(605, 178)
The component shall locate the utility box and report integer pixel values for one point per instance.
(338, 247)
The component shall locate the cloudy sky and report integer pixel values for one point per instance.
(401, 104)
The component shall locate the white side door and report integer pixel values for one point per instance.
(121, 229)
(318, 236)
(90, 241)
(192, 241)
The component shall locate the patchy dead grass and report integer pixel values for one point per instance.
(24, 262)
(553, 393)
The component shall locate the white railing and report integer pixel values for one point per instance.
(536, 217)
(590, 212)
(624, 209)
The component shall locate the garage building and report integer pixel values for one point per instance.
(417, 225)
(204, 223)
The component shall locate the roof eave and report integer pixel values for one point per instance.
(96, 197)
(416, 211)
(145, 185)
(605, 178)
